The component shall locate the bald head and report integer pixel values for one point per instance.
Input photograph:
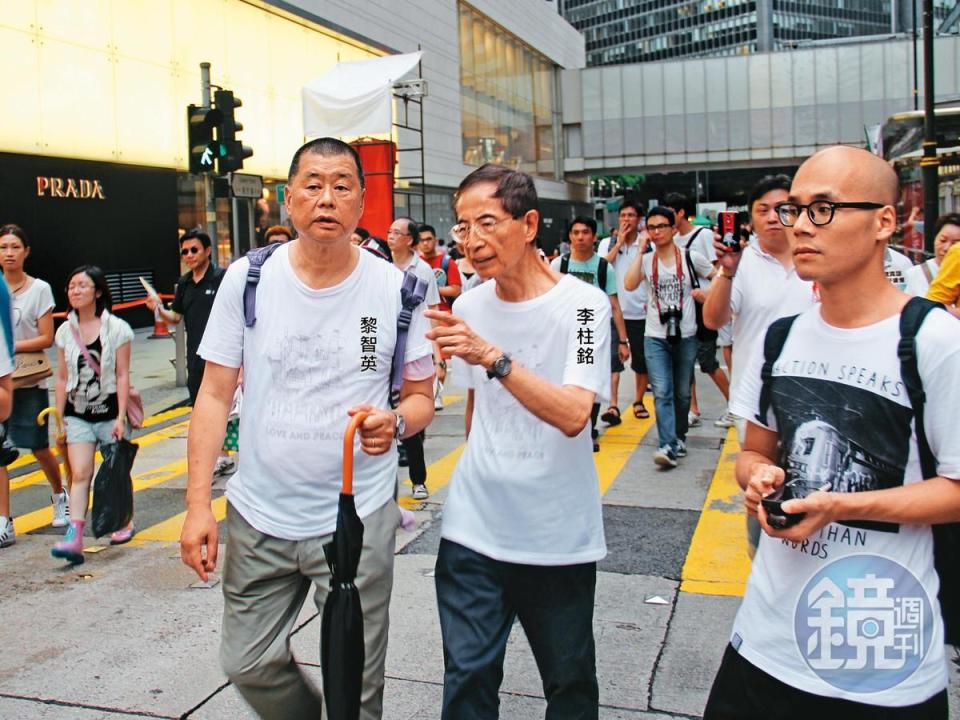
(855, 175)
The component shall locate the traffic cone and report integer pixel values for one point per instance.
(160, 329)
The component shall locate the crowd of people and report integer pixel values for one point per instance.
(805, 306)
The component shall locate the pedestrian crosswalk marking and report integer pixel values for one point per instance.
(28, 522)
(169, 529)
(717, 562)
(617, 444)
(143, 441)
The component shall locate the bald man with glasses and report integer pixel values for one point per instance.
(823, 630)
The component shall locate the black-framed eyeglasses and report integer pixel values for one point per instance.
(820, 212)
(655, 228)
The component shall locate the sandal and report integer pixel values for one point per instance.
(640, 411)
(122, 536)
(612, 416)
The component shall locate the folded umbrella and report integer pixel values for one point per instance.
(341, 633)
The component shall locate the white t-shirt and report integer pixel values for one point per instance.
(896, 265)
(917, 283)
(523, 491)
(703, 244)
(669, 290)
(763, 290)
(633, 303)
(311, 355)
(29, 305)
(853, 588)
(425, 273)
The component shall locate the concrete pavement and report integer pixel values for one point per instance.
(131, 634)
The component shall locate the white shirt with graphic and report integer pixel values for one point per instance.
(311, 355)
(669, 291)
(852, 612)
(896, 265)
(633, 303)
(523, 491)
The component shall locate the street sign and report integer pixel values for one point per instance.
(246, 186)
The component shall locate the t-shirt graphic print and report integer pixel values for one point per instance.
(851, 612)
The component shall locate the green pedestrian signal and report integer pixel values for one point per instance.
(201, 123)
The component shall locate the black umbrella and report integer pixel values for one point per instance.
(341, 634)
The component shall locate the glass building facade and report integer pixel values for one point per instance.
(507, 98)
(626, 31)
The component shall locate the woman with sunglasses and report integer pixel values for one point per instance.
(33, 332)
(93, 382)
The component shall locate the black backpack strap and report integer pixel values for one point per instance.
(694, 280)
(693, 237)
(412, 293)
(911, 318)
(773, 343)
(565, 263)
(257, 258)
(602, 273)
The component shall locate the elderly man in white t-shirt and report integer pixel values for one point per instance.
(522, 527)
(320, 350)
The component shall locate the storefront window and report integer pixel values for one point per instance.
(506, 98)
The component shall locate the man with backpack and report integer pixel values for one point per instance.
(850, 457)
(315, 328)
(585, 263)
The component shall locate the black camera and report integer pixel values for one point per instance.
(791, 490)
(670, 319)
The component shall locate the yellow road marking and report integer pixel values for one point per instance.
(717, 562)
(143, 441)
(169, 529)
(438, 475)
(44, 516)
(617, 445)
(28, 458)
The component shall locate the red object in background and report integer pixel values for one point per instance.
(911, 196)
(378, 158)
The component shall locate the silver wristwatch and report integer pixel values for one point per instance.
(401, 426)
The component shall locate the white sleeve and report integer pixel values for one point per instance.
(604, 247)
(916, 285)
(223, 339)
(745, 401)
(417, 344)
(701, 264)
(940, 375)
(587, 324)
(45, 304)
(705, 241)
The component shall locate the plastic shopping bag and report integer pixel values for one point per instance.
(232, 439)
(113, 488)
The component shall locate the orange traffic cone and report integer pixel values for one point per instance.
(160, 329)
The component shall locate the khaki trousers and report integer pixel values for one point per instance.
(265, 581)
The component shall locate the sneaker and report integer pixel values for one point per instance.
(122, 536)
(71, 547)
(693, 418)
(419, 492)
(727, 420)
(61, 509)
(8, 535)
(665, 457)
(225, 466)
(681, 450)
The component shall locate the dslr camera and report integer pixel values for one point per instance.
(670, 319)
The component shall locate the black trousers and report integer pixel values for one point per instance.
(195, 366)
(479, 598)
(415, 460)
(743, 691)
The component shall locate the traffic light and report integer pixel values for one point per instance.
(201, 122)
(232, 152)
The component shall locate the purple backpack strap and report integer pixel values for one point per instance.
(412, 293)
(257, 258)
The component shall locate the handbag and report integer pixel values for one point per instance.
(135, 412)
(30, 368)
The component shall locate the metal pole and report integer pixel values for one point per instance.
(210, 201)
(180, 353)
(916, 62)
(929, 164)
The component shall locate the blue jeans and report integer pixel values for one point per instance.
(670, 368)
(479, 598)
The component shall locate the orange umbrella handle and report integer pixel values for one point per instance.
(42, 418)
(355, 422)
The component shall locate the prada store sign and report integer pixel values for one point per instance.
(80, 189)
